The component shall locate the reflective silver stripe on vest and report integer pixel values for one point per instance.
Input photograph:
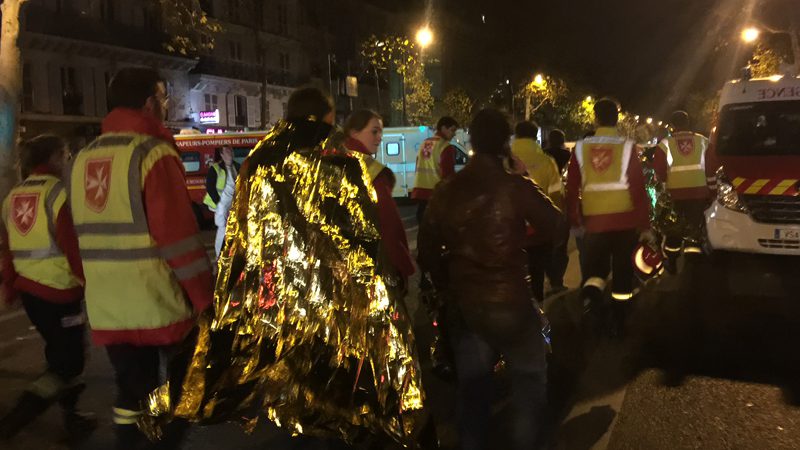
(627, 149)
(193, 269)
(119, 254)
(182, 247)
(686, 168)
(36, 254)
(28, 183)
(48, 208)
(139, 224)
(109, 141)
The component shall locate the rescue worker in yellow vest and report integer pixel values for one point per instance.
(147, 271)
(221, 172)
(681, 164)
(41, 266)
(607, 204)
(543, 170)
(436, 161)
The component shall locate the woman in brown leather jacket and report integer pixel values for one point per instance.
(472, 243)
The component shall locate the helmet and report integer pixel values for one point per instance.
(647, 261)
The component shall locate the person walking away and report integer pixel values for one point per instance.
(557, 149)
(607, 204)
(144, 291)
(471, 242)
(436, 161)
(41, 267)
(220, 187)
(543, 171)
(681, 163)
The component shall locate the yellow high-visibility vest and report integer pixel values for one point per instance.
(685, 152)
(603, 162)
(29, 213)
(542, 168)
(428, 173)
(222, 178)
(129, 284)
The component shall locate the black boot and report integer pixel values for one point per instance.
(128, 437)
(78, 425)
(28, 407)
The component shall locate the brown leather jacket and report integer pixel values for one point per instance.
(473, 236)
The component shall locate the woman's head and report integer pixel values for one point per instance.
(365, 126)
(43, 150)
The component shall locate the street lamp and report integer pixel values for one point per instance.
(424, 37)
(649, 120)
(538, 80)
(589, 99)
(750, 34)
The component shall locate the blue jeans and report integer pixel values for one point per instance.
(475, 359)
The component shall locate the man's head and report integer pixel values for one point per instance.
(606, 112)
(310, 103)
(446, 127)
(526, 130)
(44, 150)
(556, 139)
(680, 120)
(226, 154)
(140, 89)
(490, 132)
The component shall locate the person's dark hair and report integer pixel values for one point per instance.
(680, 120)
(489, 132)
(606, 112)
(526, 129)
(359, 120)
(589, 134)
(556, 138)
(132, 86)
(218, 153)
(446, 122)
(308, 102)
(37, 151)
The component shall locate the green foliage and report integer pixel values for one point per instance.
(702, 107)
(542, 91)
(458, 104)
(390, 52)
(419, 101)
(190, 31)
(765, 62)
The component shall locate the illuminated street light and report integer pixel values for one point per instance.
(424, 37)
(538, 79)
(636, 117)
(589, 99)
(750, 34)
(660, 122)
(649, 120)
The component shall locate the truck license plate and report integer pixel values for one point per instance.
(788, 235)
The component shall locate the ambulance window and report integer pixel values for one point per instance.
(762, 128)
(240, 153)
(191, 161)
(392, 148)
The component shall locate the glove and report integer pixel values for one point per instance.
(647, 237)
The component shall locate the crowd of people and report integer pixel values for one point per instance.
(310, 242)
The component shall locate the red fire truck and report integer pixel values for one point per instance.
(198, 152)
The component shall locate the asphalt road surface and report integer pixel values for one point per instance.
(710, 361)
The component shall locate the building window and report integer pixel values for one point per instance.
(241, 110)
(285, 64)
(283, 18)
(71, 95)
(211, 102)
(236, 51)
(233, 9)
(27, 88)
(107, 10)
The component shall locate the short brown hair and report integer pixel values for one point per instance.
(359, 120)
(37, 151)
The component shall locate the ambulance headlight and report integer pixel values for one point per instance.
(727, 195)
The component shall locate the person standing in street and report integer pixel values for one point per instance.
(436, 161)
(364, 132)
(471, 242)
(681, 163)
(557, 149)
(607, 204)
(220, 188)
(41, 266)
(146, 269)
(543, 171)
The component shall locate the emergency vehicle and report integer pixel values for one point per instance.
(197, 153)
(755, 156)
(399, 150)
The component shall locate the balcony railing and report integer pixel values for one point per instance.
(240, 70)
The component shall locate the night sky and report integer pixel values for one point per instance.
(650, 54)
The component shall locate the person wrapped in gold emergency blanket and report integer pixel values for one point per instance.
(307, 328)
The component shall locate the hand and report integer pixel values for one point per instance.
(647, 237)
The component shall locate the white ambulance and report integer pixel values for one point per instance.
(755, 157)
